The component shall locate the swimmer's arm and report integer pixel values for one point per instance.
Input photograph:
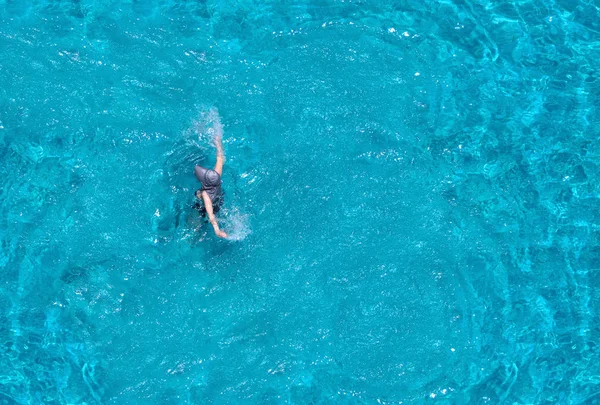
(211, 216)
(220, 155)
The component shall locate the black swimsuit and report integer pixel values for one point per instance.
(215, 194)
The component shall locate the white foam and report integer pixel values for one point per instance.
(208, 125)
(236, 224)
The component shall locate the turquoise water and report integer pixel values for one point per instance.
(412, 187)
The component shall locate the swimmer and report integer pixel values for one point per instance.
(211, 193)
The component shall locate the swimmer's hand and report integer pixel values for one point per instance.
(211, 216)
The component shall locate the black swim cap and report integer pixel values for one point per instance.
(207, 177)
(212, 178)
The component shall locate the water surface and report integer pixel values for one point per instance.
(413, 186)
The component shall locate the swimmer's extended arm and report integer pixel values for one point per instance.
(220, 154)
(211, 216)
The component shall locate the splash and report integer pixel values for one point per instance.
(205, 128)
(196, 143)
(236, 224)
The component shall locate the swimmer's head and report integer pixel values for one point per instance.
(212, 178)
(208, 177)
